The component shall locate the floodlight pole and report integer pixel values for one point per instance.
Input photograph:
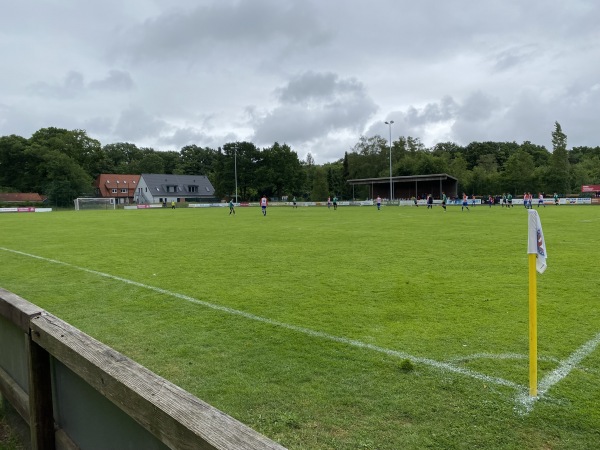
(391, 191)
(235, 170)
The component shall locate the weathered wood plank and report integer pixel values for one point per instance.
(16, 396)
(63, 442)
(174, 416)
(17, 310)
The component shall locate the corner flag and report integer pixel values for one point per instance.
(536, 249)
(536, 243)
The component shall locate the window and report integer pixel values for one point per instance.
(114, 190)
(123, 190)
(192, 188)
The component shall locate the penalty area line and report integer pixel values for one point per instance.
(442, 366)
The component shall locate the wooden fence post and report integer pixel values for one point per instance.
(40, 398)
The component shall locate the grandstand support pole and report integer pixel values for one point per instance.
(235, 171)
(391, 191)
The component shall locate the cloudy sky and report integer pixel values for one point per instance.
(315, 74)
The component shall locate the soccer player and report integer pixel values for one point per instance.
(231, 207)
(555, 199)
(465, 203)
(429, 201)
(173, 204)
(509, 199)
(334, 202)
(444, 199)
(541, 200)
(294, 205)
(263, 205)
(328, 202)
(378, 203)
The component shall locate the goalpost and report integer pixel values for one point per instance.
(94, 203)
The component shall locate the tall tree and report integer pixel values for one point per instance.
(557, 177)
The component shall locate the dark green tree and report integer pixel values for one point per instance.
(13, 160)
(518, 175)
(244, 156)
(65, 180)
(557, 177)
(151, 162)
(280, 172)
(320, 190)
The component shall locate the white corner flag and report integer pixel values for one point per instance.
(536, 243)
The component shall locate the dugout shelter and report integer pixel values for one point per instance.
(406, 187)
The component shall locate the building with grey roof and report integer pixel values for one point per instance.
(166, 188)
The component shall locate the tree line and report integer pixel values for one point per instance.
(63, 164)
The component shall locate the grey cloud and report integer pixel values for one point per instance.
(135, 123)
(71, 86)
(312, 86)
(98, 126)
(312, 110)
(116, 80)
(446, 109)
(515, 56)
(478, 107)
(238, 25)
(188, 136)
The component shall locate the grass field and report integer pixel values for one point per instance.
(301, 324)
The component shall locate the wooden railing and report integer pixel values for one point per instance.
(77, 393)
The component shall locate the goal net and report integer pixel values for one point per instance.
(94, 203)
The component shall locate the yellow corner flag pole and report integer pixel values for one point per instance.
(532, 326)
(536, 249)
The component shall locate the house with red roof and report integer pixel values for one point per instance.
(120, 187)
(21, 197)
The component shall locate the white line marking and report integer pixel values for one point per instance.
(564, 368)
(307, 331)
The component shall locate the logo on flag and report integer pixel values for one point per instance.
(540, 242)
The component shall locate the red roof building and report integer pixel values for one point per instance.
(120, 187)
(8, 197)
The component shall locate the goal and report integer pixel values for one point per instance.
(94, 203)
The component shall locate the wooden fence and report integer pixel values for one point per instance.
(76, 393)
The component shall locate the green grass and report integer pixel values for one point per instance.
(10, 439)
(347, 297)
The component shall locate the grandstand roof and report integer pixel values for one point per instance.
(410, 186)
(405, 179)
